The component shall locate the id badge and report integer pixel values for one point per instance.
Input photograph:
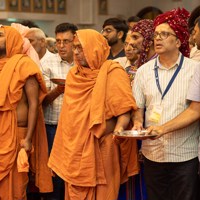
(155, 114)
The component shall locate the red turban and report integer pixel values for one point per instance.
(178, 21)
(145, 28)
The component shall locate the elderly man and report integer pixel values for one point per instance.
(160, 89)
(54, 66)
(37, 39)
(22, 125)
(97, 101)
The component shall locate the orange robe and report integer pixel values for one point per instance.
(93, 165)
(14, 70)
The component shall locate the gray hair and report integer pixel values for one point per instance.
(38, 33)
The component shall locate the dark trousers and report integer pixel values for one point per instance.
(171, 181)
(51, 132)
(58, 183)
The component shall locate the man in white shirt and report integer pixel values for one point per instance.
(189, 115)
(160, 89)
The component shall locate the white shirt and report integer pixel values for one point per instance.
(194, 89)
(177, 146)
(54, 67)
(123, 61)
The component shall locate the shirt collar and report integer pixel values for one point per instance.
(64, 61)
(161, 67)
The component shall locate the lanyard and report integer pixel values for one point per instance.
(172, 79)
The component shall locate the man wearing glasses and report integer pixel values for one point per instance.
(192, 113)
(160, 89)
(115, 30)
(84, 152)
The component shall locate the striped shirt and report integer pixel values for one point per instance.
(54, 67)
(177, 146)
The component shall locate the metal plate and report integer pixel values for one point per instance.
(133, 134)
(58, 81)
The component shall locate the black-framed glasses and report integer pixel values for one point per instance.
(107, 30)
(64, 42)
(163, 35)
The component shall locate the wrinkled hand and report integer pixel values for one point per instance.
(155, 130)
(115, 138)
(137, 126)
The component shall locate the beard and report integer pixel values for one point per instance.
(2, 52)
(112, 41)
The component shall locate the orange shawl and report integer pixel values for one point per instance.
(92, 96)
(15, 68)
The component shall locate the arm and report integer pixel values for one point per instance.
(31, 89)
(187, 117)
(122, 122)
(48, 73)
(117, 124)
(138, 119)
(53, 94)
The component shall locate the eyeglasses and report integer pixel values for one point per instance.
(163, 35)
(79, 48)
(107, 30)
(64, 42)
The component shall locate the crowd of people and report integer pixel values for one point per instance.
(62, 98)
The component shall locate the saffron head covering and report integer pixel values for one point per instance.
(145, 28)
(178, 21)
(27, 47)
(13, 43)
(95, 47)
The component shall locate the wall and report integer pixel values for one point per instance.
(167, 4)
(78, 11)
